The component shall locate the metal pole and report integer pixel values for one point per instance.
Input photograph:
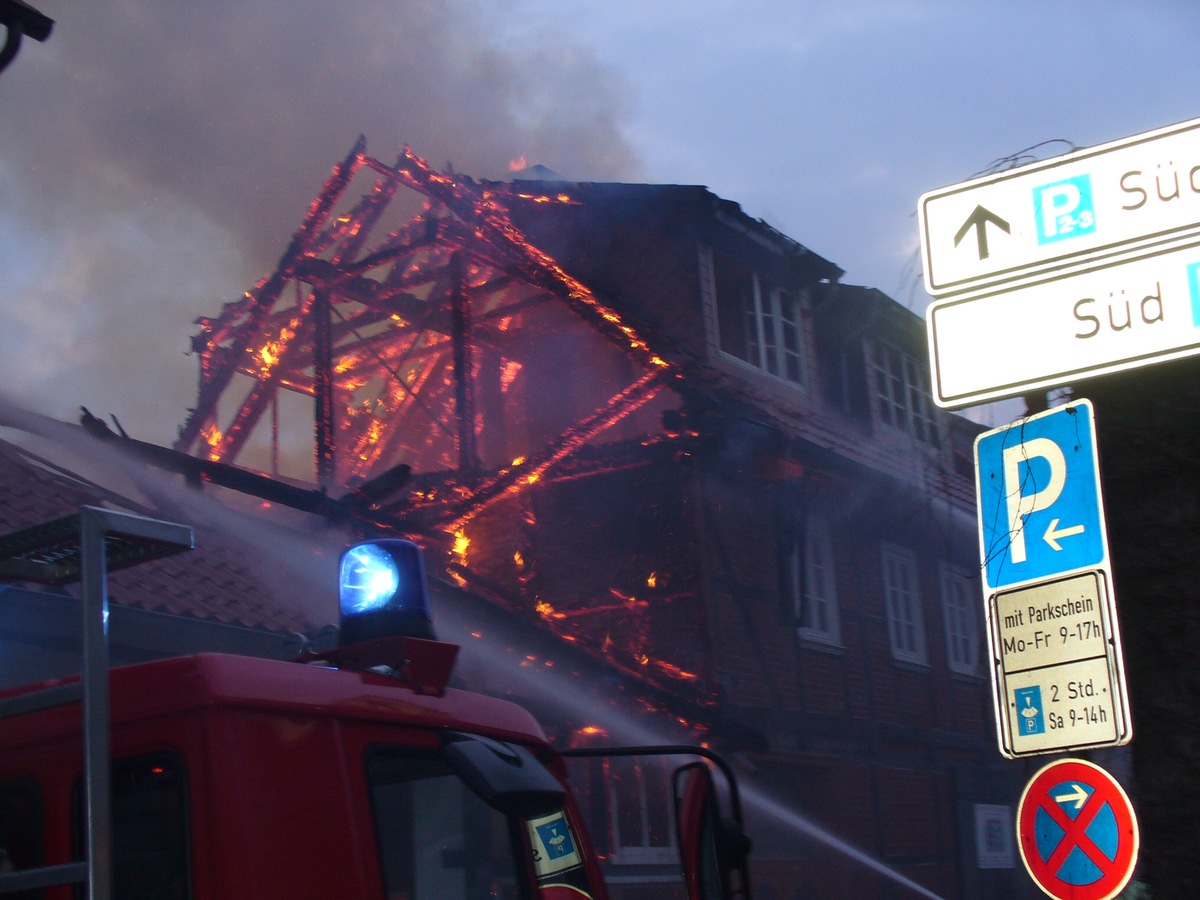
(97, 779)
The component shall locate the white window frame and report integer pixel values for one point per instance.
(900, 394)
(902, 597)
(774, 325)
(645, 782)
(960, 611)
(814, 588)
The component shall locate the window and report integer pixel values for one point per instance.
(902, 596)
(436, 838)
(899, 393)
(640, 801)
(150, 828)
(773, 330)
(959, 605)
(759, 323)
(814, 589)
(21, 831)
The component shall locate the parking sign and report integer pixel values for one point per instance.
(1038, 489)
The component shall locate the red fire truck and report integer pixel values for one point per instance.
(354, 772)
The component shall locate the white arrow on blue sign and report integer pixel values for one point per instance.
(1038, 489)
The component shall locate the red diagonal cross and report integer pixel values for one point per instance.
(1075, 832)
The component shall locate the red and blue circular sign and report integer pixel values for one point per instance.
(1077, 832)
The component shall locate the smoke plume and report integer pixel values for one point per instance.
(155, 158)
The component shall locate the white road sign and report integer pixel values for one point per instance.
(1046, 333)
(1057, 678)
(1093, 204)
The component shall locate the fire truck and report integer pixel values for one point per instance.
(351, 772)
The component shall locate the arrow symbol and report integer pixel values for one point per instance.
(1053, 533)
(978, 220)
(1076, 795)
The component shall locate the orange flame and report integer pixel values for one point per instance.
(461, 544)
(212, 436)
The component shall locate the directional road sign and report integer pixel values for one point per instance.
(1077, 831)
(1038, 493)
(1017, 338)
(1076, 266)
(1091, 204)
(1057, 675)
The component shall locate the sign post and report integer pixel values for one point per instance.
(1077, 832)
(1057, 673)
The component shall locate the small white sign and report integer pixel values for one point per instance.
(994, 833)
(1058, 677)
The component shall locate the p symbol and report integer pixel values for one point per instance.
(1064, 209)
(1057, 200)
(1025, 491)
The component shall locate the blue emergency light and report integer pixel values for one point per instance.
(382, 592)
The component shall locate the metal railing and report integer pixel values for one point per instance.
(84, 547)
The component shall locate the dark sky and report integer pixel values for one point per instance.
(155, 157)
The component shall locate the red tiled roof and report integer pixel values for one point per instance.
(222, 580)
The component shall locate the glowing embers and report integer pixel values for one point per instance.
(462, 544)
(530, 470)
(212, 436)
(269, 353)
(546, 611)
(395, 376)
(497, 230)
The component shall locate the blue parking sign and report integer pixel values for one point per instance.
(1064, 209)
(1038, 491)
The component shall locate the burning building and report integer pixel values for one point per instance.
(667, 434)
(662, 441)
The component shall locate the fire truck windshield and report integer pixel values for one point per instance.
(437, 838)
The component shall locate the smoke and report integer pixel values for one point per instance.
(155, 158)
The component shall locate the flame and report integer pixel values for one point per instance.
(374, 432)
(461, 544)
(212, 436)
(673, 670)
(516, 165)
(652, 580)
(268, 355)
(546, 198)
(518, 559)
(508, 374)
